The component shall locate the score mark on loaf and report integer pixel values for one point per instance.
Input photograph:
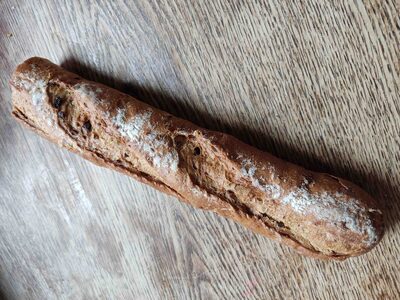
(317, 214)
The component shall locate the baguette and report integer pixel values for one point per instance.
(317, 214)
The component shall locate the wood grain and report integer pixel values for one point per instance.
(313, 82)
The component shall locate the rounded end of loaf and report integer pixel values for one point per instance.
(337, 218)
(30, 67)
(365, 227)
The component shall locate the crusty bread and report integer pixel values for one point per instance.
(317, 214)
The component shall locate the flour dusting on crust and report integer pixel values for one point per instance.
(38, 92)
(334, 209)
(36, 88)
(248, 170)
(86, 90)
(140, 131)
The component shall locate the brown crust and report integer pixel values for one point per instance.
(318, 215)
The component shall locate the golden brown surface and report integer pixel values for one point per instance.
(317, 214)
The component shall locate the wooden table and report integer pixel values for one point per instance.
(312, 82)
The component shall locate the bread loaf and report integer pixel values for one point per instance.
(317, 214)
